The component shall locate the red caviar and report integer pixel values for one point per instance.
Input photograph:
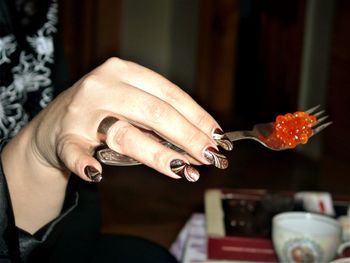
(293, 129)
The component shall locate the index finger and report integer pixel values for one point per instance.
(155, 84)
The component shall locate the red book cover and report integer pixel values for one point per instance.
(240, 248)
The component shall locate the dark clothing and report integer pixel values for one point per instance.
(72, 235)
(28, 66)
(28, 42)
(9, 246)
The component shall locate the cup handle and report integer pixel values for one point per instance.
(342, 247)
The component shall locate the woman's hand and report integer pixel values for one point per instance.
(62, 138)
(137, 97)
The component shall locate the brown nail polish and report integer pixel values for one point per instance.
(216, 158)
(185, 170)
(222, 140)
(93, 174)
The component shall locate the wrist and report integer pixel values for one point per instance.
(36, 189)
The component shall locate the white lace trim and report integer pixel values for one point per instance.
(30, 75)
(7, 47)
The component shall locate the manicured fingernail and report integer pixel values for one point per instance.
(93, 174)
(216, 158)
(184, 170)
(222, 140)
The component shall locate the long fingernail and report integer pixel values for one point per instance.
(93, 174)
(222, 140)
(184, 170)
(216, 158)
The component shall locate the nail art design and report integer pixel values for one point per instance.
(216, 158)
(184, 170)
(222, 140)
(93, 174)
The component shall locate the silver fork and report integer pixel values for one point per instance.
(259, 133)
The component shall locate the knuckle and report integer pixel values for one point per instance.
(78, 164)
(69, 153)
(159, 158)
(202, 120)
(192, 138)
(112, 61)
(169, 92)
(120, 135)
(63, 146)
(172, 92)
(89, 83)
(84, 90)
(116, 63)
(157, 112)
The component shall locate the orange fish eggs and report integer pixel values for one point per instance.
(293, 129)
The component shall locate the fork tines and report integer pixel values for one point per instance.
(319, 125)
(311, 110)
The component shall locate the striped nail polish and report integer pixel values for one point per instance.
(222, 140)
(93, 174)
(216, 158)
(184, 170)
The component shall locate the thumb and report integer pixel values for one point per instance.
(76, 154)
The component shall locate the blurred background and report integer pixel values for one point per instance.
(244, 61)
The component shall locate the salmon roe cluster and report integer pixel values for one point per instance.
(293, 129)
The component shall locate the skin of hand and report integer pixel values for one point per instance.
(62, 138)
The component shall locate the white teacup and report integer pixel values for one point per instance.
(305, 237)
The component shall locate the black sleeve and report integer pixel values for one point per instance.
(9, 245)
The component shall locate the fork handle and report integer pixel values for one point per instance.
(239, 135)
(110, 157)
